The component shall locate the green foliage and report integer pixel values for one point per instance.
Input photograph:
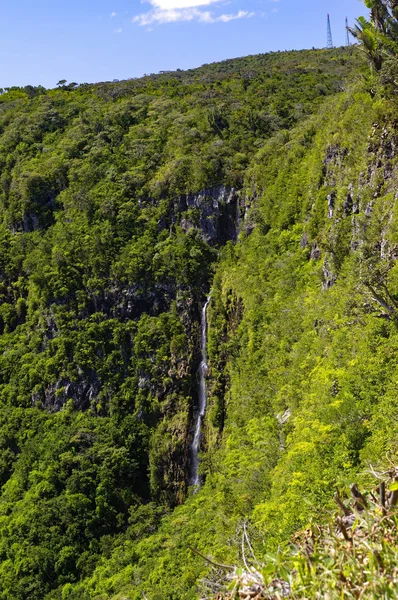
(355, 555)
(378, 37)
(302, 359)
(105, 260)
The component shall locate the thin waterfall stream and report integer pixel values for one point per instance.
(195, 477)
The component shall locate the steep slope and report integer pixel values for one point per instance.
(120, 207)
(301, 349)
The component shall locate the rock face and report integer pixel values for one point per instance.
(81, 392)
(331, 198)
(213, 211)
(367, 201)
(129, 302)
(332, 163)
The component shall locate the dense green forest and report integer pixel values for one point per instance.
(270, 181)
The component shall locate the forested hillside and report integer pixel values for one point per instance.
(270, 180)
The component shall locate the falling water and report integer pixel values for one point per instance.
(195, 478)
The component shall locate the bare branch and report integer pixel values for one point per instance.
(394, 495)
(341, 504)
(360, 500)
(211, 562)
(380, 299)
(249, 544)
(243, 551)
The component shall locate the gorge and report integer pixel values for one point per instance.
(269, 180)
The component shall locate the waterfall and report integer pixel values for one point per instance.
(195, 479)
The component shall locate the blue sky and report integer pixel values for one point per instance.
(43, 41)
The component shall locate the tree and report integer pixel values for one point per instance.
(379, 35)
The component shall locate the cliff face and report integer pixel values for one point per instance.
(213, 215)
(306, 311)
(121, 206)
(214, 212)
(302, 350)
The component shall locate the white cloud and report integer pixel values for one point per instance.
(242, 14)
(178, 4)
(118, 30)
(113, 15)
(159, 16)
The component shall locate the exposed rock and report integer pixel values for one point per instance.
(304, 241)
(283, 418)
(130, 302)
(214, 212)
(331, 198)
(349, 207)
(334, 153)
(329, 278)
(332, 163)
(315, 251)
(30, 222)
(369, 209)
(81, 392)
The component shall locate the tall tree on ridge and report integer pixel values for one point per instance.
(379, 34)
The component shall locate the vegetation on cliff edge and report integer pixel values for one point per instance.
(107, 251)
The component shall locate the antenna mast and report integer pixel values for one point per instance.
(329, 38)
(347, 38)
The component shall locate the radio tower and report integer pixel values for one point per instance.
(330, 39)
(347, 38)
